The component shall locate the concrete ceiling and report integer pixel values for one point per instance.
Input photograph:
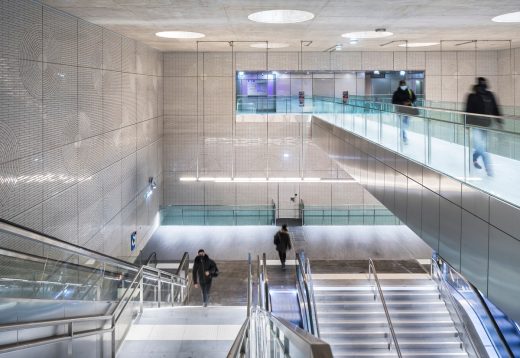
(226, 20)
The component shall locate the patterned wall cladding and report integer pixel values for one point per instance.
(32, 218)
(90, 207)
(180, 64)
(111, 191)
(61, 166)
(60, 37)
(60, 215)
(90, 42)
(128, 55)
(112, 100)
(129, 104)
(128, 140)
(21, 29)
(20, 108)
(60, 105)
(129, 178)
(90, 152)
(19, 189)
(90, 102)
(142, 215)
(62, 145)
(143, 172)
(128, 225)
(112, 142)
(111, 50)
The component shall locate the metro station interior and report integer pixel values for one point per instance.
(383, 135)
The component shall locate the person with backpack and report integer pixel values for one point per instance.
(204, 269)
(404, 97)
(282, 240)
(481, 101)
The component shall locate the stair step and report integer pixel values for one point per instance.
(415, 334)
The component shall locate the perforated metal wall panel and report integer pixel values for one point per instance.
(67, 126)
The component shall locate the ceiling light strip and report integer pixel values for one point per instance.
(265, 180)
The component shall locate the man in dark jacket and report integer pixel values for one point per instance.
(282, 240)
(404, 96)
(204, 269)
(481, 101)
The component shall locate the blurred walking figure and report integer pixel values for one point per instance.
(282, 240)
(204, 269)
(481, 101)
(404, 96)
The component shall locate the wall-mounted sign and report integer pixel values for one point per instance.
(301, 98)
(133, 240)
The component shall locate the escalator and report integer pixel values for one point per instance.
(62, 300)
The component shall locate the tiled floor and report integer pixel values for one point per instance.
(187, 332)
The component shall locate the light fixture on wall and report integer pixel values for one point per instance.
(353, 41)
(152, 185)
(266, 180)
(402, 73)
(339, 47)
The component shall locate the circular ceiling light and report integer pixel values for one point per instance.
(179, 35)
(419, 44)
(510, 17)
(271, 45)
(281, 16)
(367, 34)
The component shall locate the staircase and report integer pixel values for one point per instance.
(355, 325)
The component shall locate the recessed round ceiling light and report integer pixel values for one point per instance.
(367, 34)
(179, 35)
(271, 45)
(510, 17)
(281, 16)
(419, 44)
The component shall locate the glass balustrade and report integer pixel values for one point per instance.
(482, 151)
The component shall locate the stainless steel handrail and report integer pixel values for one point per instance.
(445, 292)
(372, 270)
(311, 287)
(306, 300)
(25, 233)
(303, 341)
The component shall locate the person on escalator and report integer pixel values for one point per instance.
(481, 101)
(404, 97)
(282, 240)
(204, 269)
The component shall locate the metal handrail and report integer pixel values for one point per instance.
(443, 287)
(26, 233)
(482, 302)
(306, 292)
(265, 282)
(372, 270)
(302, 340)
(311, 287)
(493, 321)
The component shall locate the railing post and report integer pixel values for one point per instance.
(249, 286)
(69, 344)
(141, 294)
(113, 343)
(159, 289)
(429, 145)
(172, 291)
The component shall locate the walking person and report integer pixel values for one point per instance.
(282, 240)
(204, 269)
(404, 96)
(481, 101)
